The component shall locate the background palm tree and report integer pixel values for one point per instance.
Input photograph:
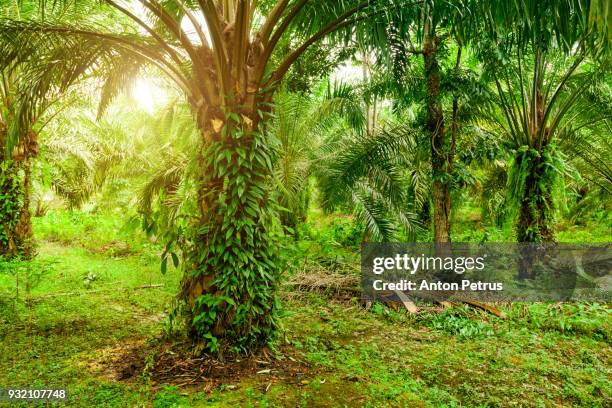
(34, 80)
(543, 101)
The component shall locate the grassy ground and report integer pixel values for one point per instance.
(92, 297)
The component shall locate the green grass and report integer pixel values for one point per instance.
(88, 305)
(469, 226)
(83, 303)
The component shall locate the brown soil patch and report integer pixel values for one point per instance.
(172, 364)
(115, 363)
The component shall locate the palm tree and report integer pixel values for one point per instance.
(228, 69)
(543, 100)
(542, 74)
(299, 128)
(15, 181)
(33, 81)
(83, 156)
(15, 167)
(428, 33)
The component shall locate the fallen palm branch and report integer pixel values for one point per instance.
(318, 279)
(487, 307)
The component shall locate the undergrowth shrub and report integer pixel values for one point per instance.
(591, 320)
(19, 279)
(456, 321)
(101, 232)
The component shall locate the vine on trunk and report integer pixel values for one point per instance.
(231, 261)
(12, 200)
(533, 179)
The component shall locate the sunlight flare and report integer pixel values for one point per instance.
(148, 94)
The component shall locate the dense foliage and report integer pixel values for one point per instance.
(248, 129)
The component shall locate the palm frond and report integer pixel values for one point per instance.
(367, 175)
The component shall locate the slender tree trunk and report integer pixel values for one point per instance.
(16, 236)
(440, 144)
(371, 106)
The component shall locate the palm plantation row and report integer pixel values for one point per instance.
(517, 94)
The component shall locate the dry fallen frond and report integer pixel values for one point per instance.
(318, 279)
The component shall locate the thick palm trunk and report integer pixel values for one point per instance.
(534, 219)
(534, 222)
(535, 208)
(231, 267)
(16, 236)
(537, 178)
(441, 160)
